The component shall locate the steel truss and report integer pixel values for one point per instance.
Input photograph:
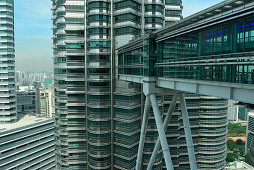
(150, 92)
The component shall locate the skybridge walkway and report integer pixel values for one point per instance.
(209, 53)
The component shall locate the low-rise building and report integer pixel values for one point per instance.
(249, 145)
(27, 144)
(238, 165)
(27, 100)
(46, 103)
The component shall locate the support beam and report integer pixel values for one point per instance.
(143, 132)
(165, 125)
(187, 130)
(162, 135)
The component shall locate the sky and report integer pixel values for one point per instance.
(33, 32)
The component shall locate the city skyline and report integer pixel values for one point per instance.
(127, 84)
(33, 32)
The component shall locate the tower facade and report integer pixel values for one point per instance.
(97, 119)
(7, 66)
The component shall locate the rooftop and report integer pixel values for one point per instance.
(238, 165)
(251, 114)
(24, 121)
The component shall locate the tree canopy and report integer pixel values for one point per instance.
(236, 128)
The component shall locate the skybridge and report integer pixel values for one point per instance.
(209, 53)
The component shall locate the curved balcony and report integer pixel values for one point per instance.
(212, 142)
(98, 11)
(213, 115)
(212, 159)
(212, 166)
(213, 152)
(60, 20)
(97, 1)
(127, 24)
(60, 9)
(99, 153)
(173, 7)
(76, 127)
(93, 36)
(76, 150)
(97, 24)
(60, 31)
(99, 165)
(99, 139)
(77, 161)
(157, 2)
(75, 90)
(219, 133)
(153, 26)
(154, 14)
(76, 138)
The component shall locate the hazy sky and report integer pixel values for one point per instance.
(33, 31)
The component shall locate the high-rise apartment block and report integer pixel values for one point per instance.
(7, 78)
(27, 144)
(249, 145)
(98, 118)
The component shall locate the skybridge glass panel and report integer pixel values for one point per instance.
(218, 53)
(222, 53)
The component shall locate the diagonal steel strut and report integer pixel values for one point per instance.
(187, 130)
(162, 135)
(143, 132)
(165, 125)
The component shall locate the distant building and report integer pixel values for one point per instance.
(46, 103)
(242, 113)
(232, 111)
(249, 146)
(7, 63)
(236, 112)
(27, 144)
(27, 100)
(48, 83)
(250, 130)
(238, 165)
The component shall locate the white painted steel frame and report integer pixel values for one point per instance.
(187, 130)
(234, 91)
(162, 135)
(143, 133)
(151, 99)
(165, 125)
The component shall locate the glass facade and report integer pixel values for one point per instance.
(97, 126)
(216, 53)
(69, 75)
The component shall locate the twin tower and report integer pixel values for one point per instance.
(98, 118)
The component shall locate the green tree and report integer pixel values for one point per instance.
(231, 144)
(236, 128)
(241, 150)
(230, 157)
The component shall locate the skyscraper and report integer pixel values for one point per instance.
(7, 57)
(84, 84)
(98, 118)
